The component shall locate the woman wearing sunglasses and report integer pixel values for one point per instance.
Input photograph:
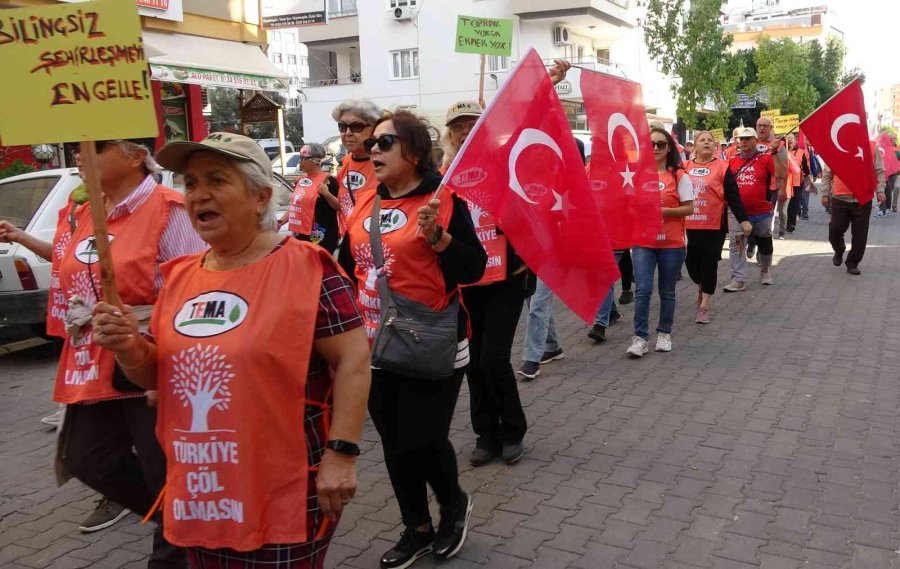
(429, 249)
(667, 252)
(355, 121)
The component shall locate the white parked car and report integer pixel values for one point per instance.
(32, 202)
(291, 165)
(270, 146)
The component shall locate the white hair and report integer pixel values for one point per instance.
(450, 151)
(256, 179)
(150, 164)
(363, 108)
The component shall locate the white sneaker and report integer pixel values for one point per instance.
(766, 278)
(638, 347)
(734, 286)
(663, 342)
(53, 420)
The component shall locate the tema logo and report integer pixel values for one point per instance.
(391, 220)
(211, 314)
(305, 182)
(354, 180)
(469, 177)
(699, 172)
(86, 250)
(662, 186)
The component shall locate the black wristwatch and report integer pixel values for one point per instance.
(438, 233)
(343, 447)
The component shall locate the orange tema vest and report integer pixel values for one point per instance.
(672, 236)
(57, 306)
(234, 349)
(795, 170)
(708, 181)
(302, 211)
(85, 370)
(354, 179)
(412, 266)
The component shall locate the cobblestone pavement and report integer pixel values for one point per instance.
(768, 438)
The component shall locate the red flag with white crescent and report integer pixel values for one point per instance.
(623, 170)
(837, 130)
(521, 164)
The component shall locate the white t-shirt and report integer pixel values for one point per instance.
(685, 188)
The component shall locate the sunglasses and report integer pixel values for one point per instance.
(745, 138)
(384, 142)
(460, 126)
(660, 144)
(355, 127)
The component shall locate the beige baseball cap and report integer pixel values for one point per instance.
(174, 155)
(746, 131)
(463, 109)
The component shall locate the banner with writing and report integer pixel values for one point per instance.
(74, 72)
(488, 36)
(785, 123)
(770, 113)
(718, 134)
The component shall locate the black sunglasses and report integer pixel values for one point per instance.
(355, 127)
(660, 144)
(745, 138)
(384, 142)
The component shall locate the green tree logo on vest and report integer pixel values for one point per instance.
(354, 180)
(391, 220)
(210, 314)
(86, 250)
(200, 377)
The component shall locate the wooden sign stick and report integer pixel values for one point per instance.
(481, 83)
(91, 171)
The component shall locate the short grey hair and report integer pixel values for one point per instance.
(363, 108)
(132, 148)
(316, 150)
(256, 179)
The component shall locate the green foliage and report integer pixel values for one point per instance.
(689, 45)
(825, 66)
(16, 168)
(783, 75)
(226, 109)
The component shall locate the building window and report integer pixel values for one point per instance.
(342, 7)
(304, 61)
(405, 64)
(497, 63)
(392, 4)
(276, 57)
(292, 59)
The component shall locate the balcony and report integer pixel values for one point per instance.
(343, 23)
(578, 13)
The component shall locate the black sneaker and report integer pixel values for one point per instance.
(104, 515)
(529, 370)
(614, 317)
(483, 454)
(838, 259)
(751, 250)
(853, 270)
(413, 545)
(452, 530)
(804, 216)
(513, 452)
(552, 356)
(627, 297)
(597, 333)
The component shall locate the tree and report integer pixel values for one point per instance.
(201, 375)
(825, 67)
(783, 74)
(226, 109)
(690, 45)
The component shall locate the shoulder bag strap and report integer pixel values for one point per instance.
(384, 292)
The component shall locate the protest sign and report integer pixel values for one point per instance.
(486, 36)
(718, 134)
(74, 72)
(785, 123)
(771, 113)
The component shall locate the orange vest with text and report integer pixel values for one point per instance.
(233, 354)
(302, 210)
(85, 370)
(672, 233)
(708, 181)
(357, 177)
(412, 266)
(57, 303)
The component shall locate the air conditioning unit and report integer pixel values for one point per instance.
(560, 35)
(403, 14)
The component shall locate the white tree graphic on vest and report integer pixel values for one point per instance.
(476, 212)
(200, 375)
(81, 287)
(60, 248)
(362, 254)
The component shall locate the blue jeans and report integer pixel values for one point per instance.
(609, 303)
(645, 262)
(540, 329)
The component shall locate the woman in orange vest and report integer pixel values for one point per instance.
(715, 190)
(312, 213)
(798, 177)
(429, 248)
(355, 121)
(252, 345)
(666, 252)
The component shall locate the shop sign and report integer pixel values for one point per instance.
(278, 14)
(208, 78)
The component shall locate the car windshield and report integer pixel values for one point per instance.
(282, 192)
(293, 161)
(20, 199)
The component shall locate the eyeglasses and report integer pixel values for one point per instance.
(759, 126)
(745, 138)
(660, 144)
(460, 126)
(384, 142)
(355, 127)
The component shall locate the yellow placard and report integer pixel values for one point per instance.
(785, 123)
(74, 72)
(771, 113)
(718, 134)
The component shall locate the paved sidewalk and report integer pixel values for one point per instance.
(768, 438)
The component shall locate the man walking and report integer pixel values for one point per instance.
(848, 212)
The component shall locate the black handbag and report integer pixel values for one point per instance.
(412, 339)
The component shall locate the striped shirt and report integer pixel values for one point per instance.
(178, 238)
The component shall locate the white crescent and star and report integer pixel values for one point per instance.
(615, 121)
(529, 137)
(838, 124)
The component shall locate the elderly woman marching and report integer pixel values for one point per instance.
(261, 363)
(312, 215)
(425, 248)
(356, 120)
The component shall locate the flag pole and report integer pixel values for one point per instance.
(481, 83)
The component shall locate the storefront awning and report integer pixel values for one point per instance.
(211, 62)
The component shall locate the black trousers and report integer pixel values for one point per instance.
(793, 208)
(627, 269)
(888, 192)
(494, 310)
(412, 416)
(704, 251)
(856, 217)
(101, 440)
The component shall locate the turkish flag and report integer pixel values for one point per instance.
(520, 163)
(838, 131)
(623, 170)
(891, 164)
